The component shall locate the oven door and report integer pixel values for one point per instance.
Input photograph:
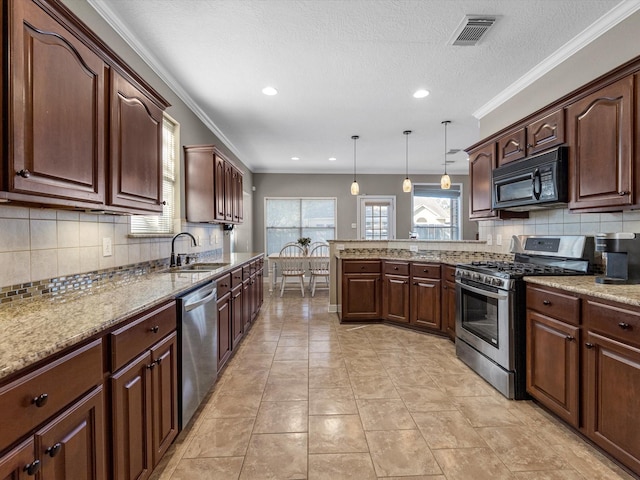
(484, 321)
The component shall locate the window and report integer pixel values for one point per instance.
(287, 219)
(436, 212)
(163, 224)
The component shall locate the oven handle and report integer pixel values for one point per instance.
(481, 291)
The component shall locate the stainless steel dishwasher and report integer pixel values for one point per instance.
(198, 341)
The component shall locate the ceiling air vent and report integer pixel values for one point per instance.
(472, 29)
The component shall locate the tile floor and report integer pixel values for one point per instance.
(305, 397)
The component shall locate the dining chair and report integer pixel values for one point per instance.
(318, 266)
(291, 262)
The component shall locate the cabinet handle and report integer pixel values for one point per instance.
(151, 366)
(444, 287)
(24, 173)
(623, 193)
(395, 268)
(415, 283)
(362, 267)
(529, 145)
(588, 345)
(158, 361)
(164, 202)
(546, 302)
(54, 449)
(570, 338)
(40, 400)
(624, 326)
(154, 329)
(32, 468)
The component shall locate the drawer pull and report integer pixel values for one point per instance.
(40, 400)
(24, 173)
(362, 267)
(32, 468)
(151, 366)
(570, 338)
(154, 329)
(395, 268)
(426, 270)
(588, 345)
(624, 326)
(224, 285)
(54, 449)
(159, 361)
(546, 302)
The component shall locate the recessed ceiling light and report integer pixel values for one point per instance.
(421, 93)
(332, 159)
(269, 91)
(295, 158)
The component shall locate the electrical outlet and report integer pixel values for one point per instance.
(340, 246)
(413, 248)
(215, 239)
(354, 225)
(498, 239)
(489, 239)
(107, 249)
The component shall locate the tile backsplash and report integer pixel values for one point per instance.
(38, 243)
(557, 221)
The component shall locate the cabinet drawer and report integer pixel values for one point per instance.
(449, 273)
(246, 271)
(425, 270)
(396, 268)
(361, 266)
(54, 385)
(131, 340)
(223, 284)
(554, 304)
(616, 321)
(236, 278)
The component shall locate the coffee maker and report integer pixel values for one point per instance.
(621, 256)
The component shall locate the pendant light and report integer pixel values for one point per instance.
(355, 188)
(445, 180)
(406, 184)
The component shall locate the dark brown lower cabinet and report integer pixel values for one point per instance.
(237, 311)
(425, 303)
(395, 298)
(224, 330)
(448, 309)
(15, 464)
(613, 397)
(144, 410)
(553, 356)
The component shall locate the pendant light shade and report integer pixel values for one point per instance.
(355, 188)
(445, 180)
(406, 184)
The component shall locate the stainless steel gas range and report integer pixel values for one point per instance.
(491, 310)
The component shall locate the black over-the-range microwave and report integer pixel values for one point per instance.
(534, 182)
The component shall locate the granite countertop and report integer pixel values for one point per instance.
(586, 285)
(35, 328)
(449, 257)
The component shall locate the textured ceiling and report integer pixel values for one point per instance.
(344, 67)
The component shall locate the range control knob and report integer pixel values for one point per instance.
(476, 276)
(497, 282)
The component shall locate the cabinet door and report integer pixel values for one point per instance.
(481, 163)
(599, 130)
(546, 132)
(72, 446)
(198, 184)
(425, 303)
(136, 148)
(361, 296)
(16, 463)
(131, 420)
(449, 309)
(219, 188)
(224, 330)
(164, 388)
(511, 147)
(613, 397)
(238, 198)
(237, 311)
(229, 188)
(58, 99)
(553, 365)
(395, 298)
(246, 303)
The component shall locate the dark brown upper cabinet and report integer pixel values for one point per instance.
(481, 163)
(70, 102)
(213, 186)
(57, 102)
(601, 157)
(535, 137)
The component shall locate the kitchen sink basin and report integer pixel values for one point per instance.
(199, 267)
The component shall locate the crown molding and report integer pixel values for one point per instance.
(104, 10)
(588, 35)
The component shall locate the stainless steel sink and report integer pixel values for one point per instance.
(199, 267)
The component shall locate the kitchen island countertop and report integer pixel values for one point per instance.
(35, 328)
(586, 285)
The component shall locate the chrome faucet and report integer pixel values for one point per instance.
(173, 242)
